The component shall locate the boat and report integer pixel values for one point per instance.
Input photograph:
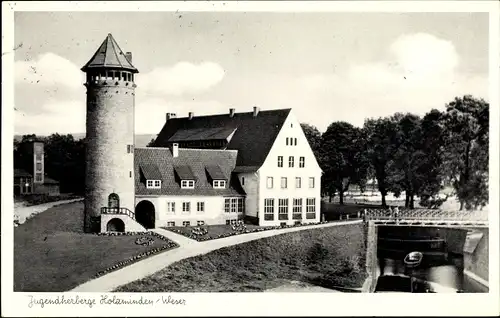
(413, 259)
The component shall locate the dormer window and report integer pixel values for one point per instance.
(153, 184)
(187, 184)
(219, 184)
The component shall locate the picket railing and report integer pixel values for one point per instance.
(426, 216)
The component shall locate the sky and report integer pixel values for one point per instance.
(325, 66)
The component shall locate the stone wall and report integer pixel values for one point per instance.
(478, 261)
(371, 255)
(110, 134)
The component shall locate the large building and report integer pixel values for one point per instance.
(255, 166)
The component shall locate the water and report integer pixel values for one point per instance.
(447, 273)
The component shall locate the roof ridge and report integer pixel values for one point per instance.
(223, 114)
(113, 43)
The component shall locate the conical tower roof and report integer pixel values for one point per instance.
(109, 55)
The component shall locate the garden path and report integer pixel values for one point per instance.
(188, 248)
(21, 212)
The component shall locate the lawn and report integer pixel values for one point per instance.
(327, 257)
(52, 254)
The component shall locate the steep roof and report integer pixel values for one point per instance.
(253, 138)
(197, 160)
(109, 55)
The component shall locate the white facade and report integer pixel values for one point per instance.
(193, 209)
(291, 142)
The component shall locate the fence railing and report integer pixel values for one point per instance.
(424, 214)
(106, 210)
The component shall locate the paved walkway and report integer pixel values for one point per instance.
(21, 212)
(188, 248)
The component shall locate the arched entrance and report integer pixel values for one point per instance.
(113, 201)
(145, 214)
(115, 225)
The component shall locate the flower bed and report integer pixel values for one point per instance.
(213, 232)
(145, 241)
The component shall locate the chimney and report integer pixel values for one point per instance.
(128, 55)
(255, 111)
(191, 114)
(170, 116)
(231, 112)
(175, 150)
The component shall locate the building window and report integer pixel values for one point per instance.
(171, 224)
(200, 207)
(153, 184)
(219, 184)
(290, 162)
(280, 161)
(269, 182)
(287, 141)
(38, 166)
(186, 223)
(38, 177)
(171, 207)
(186, 207)
(302, 162)
(234, 204)
(187, 184)
(241, 205)
(130, 148)
(283, 183)
(282, 209)
(268, 209)
(297, 205)
(242, 180)
(38, 157)
(298, 182)
(130, 174)
(311, 182)
(199, 223)
(295, 139)
(311, 208)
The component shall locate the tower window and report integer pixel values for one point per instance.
(129, 77)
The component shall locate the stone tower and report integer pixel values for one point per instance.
(109, 181)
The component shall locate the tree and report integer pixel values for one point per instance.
(429, 169)
(381, 134)
(343, 153)
(64, 159)
(404, 174)
(466, 156)
(313, 137)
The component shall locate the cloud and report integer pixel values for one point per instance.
(424, 54)
(49, 69)
(181, 78)
(420, 73)
(57, 117)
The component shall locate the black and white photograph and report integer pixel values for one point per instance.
(272, 153)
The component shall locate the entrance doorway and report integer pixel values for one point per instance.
(115, 225)
(145, 214)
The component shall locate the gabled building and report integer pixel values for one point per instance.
(216, 169)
